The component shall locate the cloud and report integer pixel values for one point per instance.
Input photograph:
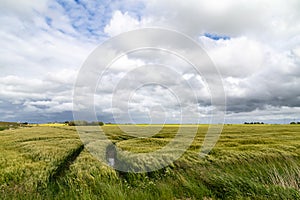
(271, 114)
(266, 19)
(258, 58)
(39, 61)
(254, 44)
(239, 56)
(120, 23)
(22, 9)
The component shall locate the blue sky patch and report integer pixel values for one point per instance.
(89, 18)
(48, 21)
(216, 36)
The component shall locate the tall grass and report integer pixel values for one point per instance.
(29, 156)
(248, 162)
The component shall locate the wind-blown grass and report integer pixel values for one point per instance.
(29, 156)
(248, 162)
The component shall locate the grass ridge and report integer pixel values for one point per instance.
(65, 163)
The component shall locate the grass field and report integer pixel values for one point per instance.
(8, 125)
(248, 162)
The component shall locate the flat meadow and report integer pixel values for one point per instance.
(248, 162)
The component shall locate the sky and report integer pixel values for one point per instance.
(254, 44)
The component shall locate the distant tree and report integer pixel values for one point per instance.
(100, 123)
(93, 124)
(253, 122)
(81, 123)
(293, 123)
(298, 122)
(78, 123)
(71, 123)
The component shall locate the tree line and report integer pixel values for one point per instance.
(83, 123)
(295, 123)
(254, 123)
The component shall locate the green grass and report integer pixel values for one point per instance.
(248, 162)
(8, 125)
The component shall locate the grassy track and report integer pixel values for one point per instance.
(248, 162)
(29, 157)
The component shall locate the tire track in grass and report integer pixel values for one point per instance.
(64, 165)
(41, 138)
